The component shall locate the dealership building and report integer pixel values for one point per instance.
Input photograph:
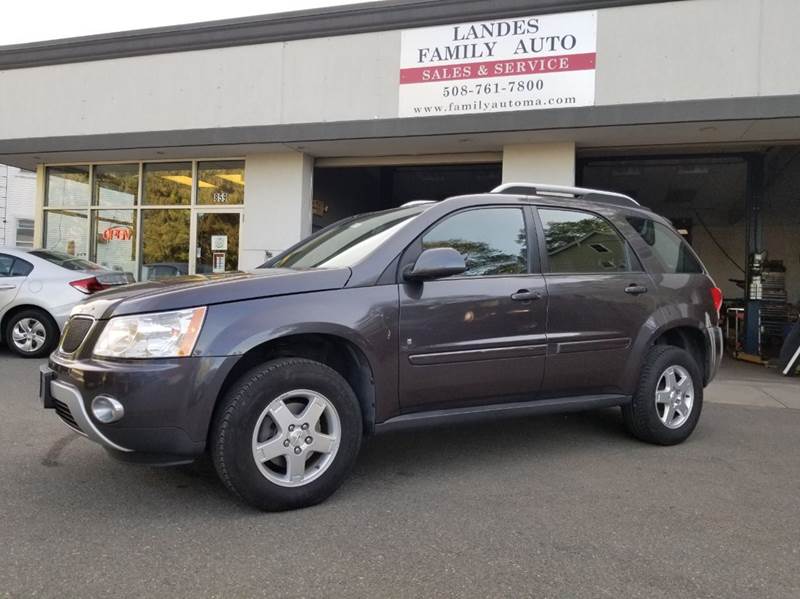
(209, 147)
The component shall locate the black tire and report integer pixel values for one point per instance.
(641, 416)
(239, 412)
(50, 330)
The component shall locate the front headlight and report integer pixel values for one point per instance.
(156, 335)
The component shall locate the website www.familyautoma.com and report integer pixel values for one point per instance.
(480, 105)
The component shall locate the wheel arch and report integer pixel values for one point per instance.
(686, 333)
(12, 311)
(690, 338)
(336, 351)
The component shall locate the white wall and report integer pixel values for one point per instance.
(649, 53)
(17, 201)
(552, 163)
(277, 205)
(697, 49)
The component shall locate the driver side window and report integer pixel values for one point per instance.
(493, 241)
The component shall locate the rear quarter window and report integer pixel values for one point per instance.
(672, 253)
(583, 243)
(21, 268)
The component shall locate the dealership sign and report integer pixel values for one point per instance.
(525, 63)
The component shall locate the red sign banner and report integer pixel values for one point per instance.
(500, 68)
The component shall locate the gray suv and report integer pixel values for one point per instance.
(526, 300)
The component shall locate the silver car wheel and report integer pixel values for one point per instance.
(296, 438)
(674, 396)
(29, 335)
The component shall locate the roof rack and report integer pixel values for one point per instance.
(579, 193)
(417, 203)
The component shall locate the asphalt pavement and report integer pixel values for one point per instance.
(560, 506)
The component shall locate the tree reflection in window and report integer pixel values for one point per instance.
(492, 240)
(580, 242)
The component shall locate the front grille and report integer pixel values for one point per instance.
(65, 414)
(76, 331)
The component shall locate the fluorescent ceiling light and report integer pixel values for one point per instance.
(185, 180)
(233, 178)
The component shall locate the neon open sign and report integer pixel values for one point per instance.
(120, 233)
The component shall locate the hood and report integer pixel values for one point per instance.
(205, 290)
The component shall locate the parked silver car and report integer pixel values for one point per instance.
(38, 288)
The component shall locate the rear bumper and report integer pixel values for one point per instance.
(713, 352)
(167, 403)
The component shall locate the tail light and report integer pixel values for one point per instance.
(716, 297)
(88, 286)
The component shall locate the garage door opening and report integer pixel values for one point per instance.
(705, 198)
(340, 192)
(741, 214)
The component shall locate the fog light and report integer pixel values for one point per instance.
(107, 409)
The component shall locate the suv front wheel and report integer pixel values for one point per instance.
(286, 434)
(669, 397)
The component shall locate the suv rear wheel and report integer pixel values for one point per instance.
(669, 398)
(287, 434)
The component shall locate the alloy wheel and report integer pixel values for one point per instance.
(674, 396)
(296, 438)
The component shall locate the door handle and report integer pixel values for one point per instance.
(634, 289)
(6, 287)
(524, 295)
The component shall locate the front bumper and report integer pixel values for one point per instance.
(168, 403)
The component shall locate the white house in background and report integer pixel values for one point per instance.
(17, 206)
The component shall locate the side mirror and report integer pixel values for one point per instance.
(436, 263)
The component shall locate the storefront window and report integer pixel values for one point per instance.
(152, 220)
(220, 182)
(68, 186)
(165, 243)
(116, 185)
(115, 239)
(168, 184)
(67, 231)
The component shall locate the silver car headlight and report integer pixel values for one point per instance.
(155, 335)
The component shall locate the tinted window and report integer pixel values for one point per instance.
(670, 250)
(579, 242)
(6, 264)
(492, 240)
(65, 260)
(346, 242)
(21, 268)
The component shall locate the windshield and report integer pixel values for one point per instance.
(65, 260)
(346, 242)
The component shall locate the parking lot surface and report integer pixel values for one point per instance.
(561, 506)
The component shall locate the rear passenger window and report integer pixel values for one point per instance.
(580, 242)
(493, 241)
(21, 268)
(6, 263)
(670, 250)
